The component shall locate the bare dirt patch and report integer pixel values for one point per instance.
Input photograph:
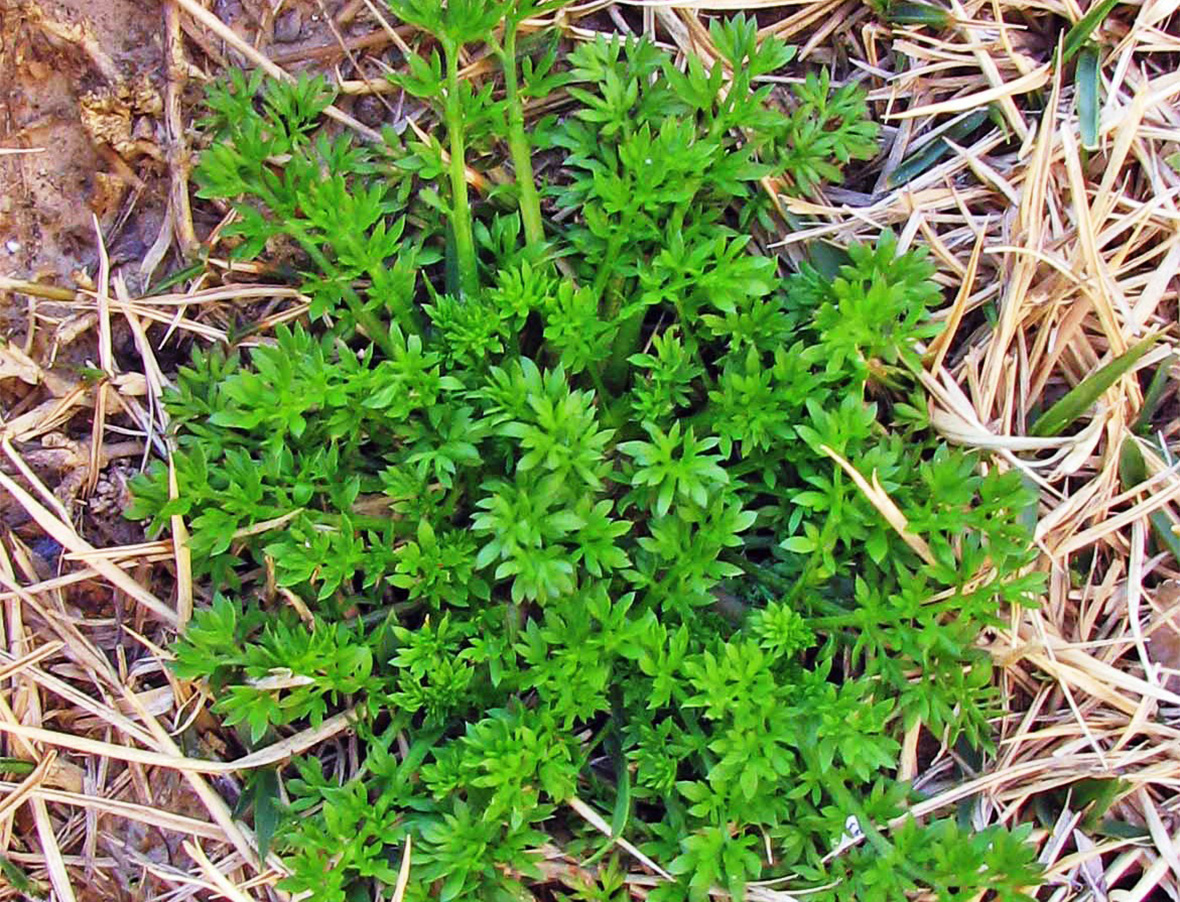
(82, 138)
(82, 134)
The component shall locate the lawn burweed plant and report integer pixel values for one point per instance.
(553, 489)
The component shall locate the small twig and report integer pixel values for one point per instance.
(403, 875)
(272, 754)
(371, 41)
(393, 33)
(36, 289)
(68, 538)
(351, 56)
(348, 13)
(595, 820)
(177, 150)
(223, 884)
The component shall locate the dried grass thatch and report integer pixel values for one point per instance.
(1055, 259)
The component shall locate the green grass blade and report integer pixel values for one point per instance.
(20, 881)
(934, 150)
(189, 272)
(1081, 397)
(260, 795)
(1132, 472)
(1132, 466)
(918, 14)
(825, 256)
(1095, 795)
(1086, 79)
(16, 766)
(1116, 829)
(266, 810)
(1154, 395)
(622, 812)
(1164, 533)
(1076, 38)
(828, 258)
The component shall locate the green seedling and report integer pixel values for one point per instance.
(571, 529)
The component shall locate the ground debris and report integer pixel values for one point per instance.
(117, 116)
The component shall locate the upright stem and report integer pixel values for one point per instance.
(614, 245)
(628, 334)
(460, 208)
(625, 343)
(604, 397)
(377, 332)
(849, 803)
(518, 143)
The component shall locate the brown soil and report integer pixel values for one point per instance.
(82, 81)
(85, 168)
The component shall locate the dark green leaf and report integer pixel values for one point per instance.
(1078, 36)
(1086, 79)
(1082, 396)
(928, 156)
(1154, 396)
(916, 13)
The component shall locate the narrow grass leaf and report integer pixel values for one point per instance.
(828, 258)
(919, 14)
(20, 881)
(1116, 829)
(1082, 397)
(189, 272)
(622, 812)
(1132, 467)
(266, 809)
(260, 794)
(1095, 796)
(1154, 395)
(1077, 37)
(1086, 79)
(1132, 472)
(933, 151)
(16, 766)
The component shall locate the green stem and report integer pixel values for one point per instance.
(843, 798)
(373, 618)
(626, 341)
(685, 320)
(803, 580)
(828, 624)
(366, 319)
(357, 521)
(518, 143)
(789, 589)
(613, 246)
(460, 208)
